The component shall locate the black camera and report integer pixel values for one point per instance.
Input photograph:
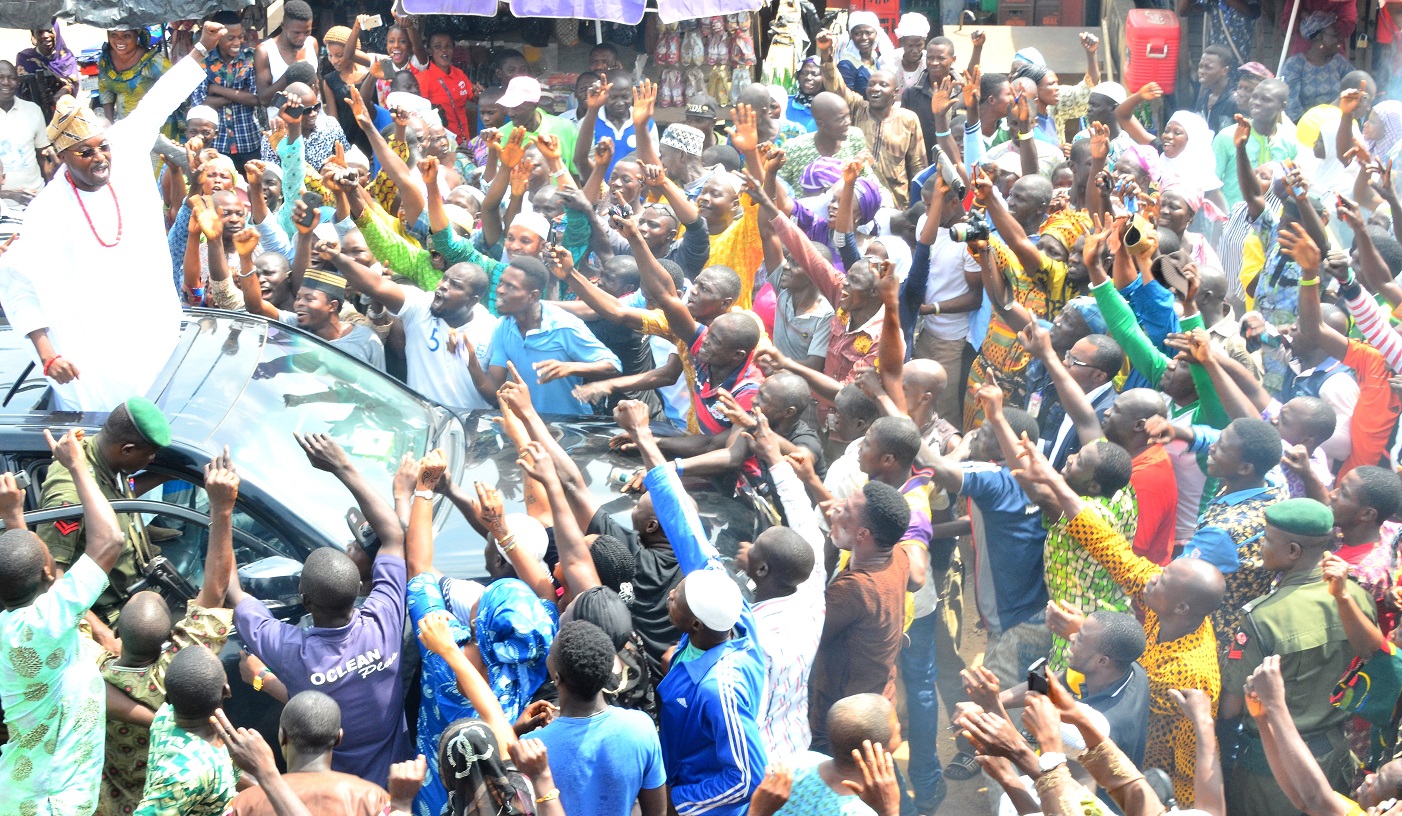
(974, 227)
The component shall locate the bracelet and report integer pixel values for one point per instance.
(250, 273)
(937, 309)
(558, 174)
(677, 463)
(549, 797)
(1022, 137)
(50, 363)
(508, 543)
(1309, 282)
(200, 47)
(940, 134)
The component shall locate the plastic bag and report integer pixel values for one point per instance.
(669, 92)
(739, 78)
(693, 48)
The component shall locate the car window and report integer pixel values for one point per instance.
(185, 543)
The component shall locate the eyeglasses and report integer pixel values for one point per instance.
(88, 152)
(1072, 362)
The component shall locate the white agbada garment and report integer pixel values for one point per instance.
(111, 311)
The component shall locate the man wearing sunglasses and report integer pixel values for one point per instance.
(95, 229)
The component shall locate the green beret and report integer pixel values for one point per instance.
(1302, 517)
(149, 421)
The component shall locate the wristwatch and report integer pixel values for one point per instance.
(1050, 761)
(258, 678)
(424, 494)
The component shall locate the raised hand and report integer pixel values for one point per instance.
(1349, 100)
(327, 250)
(823, 42)
(631, 415)
(551, 370)
(491, 512)
(221, 485)
(549, 146)
(888, 286)
(773, 793)
(1194, 703)
(983, 187)
(1019, 113)
(598, 94)
(68, 449)
(512, 152)
(323, 452)
(1090, 42)
(879, 788)
(246, 747)
(745, 136)
(535, 462)
(603, 151)
(208, 218)
(1297, 245)
(1150, 91)
(1037, 341)
(405, 780)
(560, 262)
(942, 97)
(1099, 142)
(1350, 214)
(435, 633)
(732, 410)
(1159, 430)
(1064, 618)
(970, 89)
(210, 35)
(1266, 686)
(299, 214)
(644, 103)
(521, 177)
(431, 469)
(802, 462)
(1242, 132)
(654, 176)
(531, 757)
(428, 170)
(1336, 572)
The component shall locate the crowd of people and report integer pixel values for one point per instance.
(1114, 382)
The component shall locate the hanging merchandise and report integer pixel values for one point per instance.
(717, 48)
(694, 78)
(787, 47)
(742, 48)
(739, 78)
(669, 46)
(693, 47)
(719, 85)
(669, 93)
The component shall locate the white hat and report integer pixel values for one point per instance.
(520, 91)
(533, 221)
(1114, 90)
(913, 24)
(413, 103)
(530, 535)
(270, 169)
(204, 113)
(714, 599)
(356, 156)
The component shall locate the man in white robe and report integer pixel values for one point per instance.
(86, 281)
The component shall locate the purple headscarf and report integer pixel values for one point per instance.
(821, 175)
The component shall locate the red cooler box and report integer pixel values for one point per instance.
(1149, 49)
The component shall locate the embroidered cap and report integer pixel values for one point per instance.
(685, 138)
(73, 123)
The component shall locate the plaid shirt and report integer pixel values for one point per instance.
(239, 131)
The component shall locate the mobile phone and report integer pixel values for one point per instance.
(22, 479)
(372, 22)
(364, 534)
(279, 99)
(387, 68)
(1037, 677)
(313, 202)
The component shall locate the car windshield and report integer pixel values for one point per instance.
(265, 382)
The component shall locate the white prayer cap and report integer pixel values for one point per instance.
(913, 24)
(203, 113)
(356, 157)
(714, 599)
(1114, 90)
(270, 169)
(403, 100)
(533, 221)
(530, 534)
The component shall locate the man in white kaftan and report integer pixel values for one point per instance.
(88, 280)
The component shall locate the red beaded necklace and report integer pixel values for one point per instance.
(84, 208)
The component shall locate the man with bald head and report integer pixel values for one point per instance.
(438, 325)
(24, 144)
(1177, 601)
(1154, 481)
(892, 132)
(834, 136)
(105, 214)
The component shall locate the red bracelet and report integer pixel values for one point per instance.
(50, 363)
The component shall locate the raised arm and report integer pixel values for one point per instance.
(326, 455)
(1124, 114)
(1290, 759)
(657, 284)
(1083, 416)
(1026, 252)
(675, 512)
(436, 635)
(1251, 191)
(1363, 634)
(644, 104)
(1299, 247)
(221, 484)
(583, 146)
(576, 564)
(103, 535)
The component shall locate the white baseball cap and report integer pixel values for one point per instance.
(520, 91)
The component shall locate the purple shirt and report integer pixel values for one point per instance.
(356, 664)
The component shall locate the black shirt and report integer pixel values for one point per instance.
(1126, 707)
(656, 575)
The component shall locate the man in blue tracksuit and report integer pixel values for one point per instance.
(711, 694)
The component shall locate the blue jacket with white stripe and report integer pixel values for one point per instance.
(710, 732)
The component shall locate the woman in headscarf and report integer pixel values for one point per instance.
(1179, 206)
(54, 67)
(480, 780)
(510, 628)
(1048, 92)
(867, 49)
(816, 213)
(1187, 153)
(779, 112)
(912, 33)
(1316, 75)
(127, 67)
(808, 83)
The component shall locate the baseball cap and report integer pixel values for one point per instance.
(703, 106)
(520, 91)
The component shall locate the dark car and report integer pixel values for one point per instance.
(250, 383)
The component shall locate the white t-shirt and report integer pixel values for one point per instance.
(22, 133)
(949, 260)
(676, 398)
(434, 371)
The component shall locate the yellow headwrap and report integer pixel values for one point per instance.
(1066, 226)
(73, 123)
